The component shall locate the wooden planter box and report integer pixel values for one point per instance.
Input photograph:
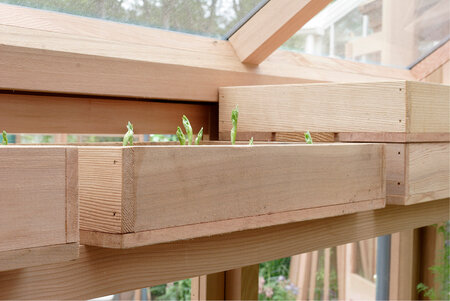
(141, 195)
(39, 205)
(412, 118)
(417, 172)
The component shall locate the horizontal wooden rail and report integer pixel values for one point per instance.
(101, 271)
(70, 54)
(33, 113)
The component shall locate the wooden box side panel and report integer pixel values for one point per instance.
(187, 185)
(100, 188)
(72, 210)
(429, 107)
(32, 197)
(396, 173)
(428, 172)
(355, 107)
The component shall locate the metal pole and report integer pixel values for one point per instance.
(383, 267)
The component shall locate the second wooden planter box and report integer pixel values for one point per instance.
(134, 196)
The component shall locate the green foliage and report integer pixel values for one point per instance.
(199, 137)
(5, 138)
(234, 121)
(308, 138)
(188, 128)
(128, 138)
(181, 136)
(273, 280)
(441, 270)
(179, 290)
(251, 141)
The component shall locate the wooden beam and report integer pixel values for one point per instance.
(432, 62)
(208, 287)
(271, 26)
(71, 54)
(242, 283)
(100, 271)
(28, 113)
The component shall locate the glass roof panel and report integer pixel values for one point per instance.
(388, 32)
(212, 18)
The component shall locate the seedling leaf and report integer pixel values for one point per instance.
(199, 137)
(234, 120)
(188, 127)
(251, 141)
(181, 136)
(308, 138)
(5, 138)
(128, 138)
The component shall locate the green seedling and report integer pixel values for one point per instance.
(251, 141)
(188, 127)
(128, 138)
(181, 136)
(308, 138)
(5, 138)
(234, 120)
(199, 137)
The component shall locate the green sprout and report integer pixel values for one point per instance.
(181, 136)
(188, 140)
(199, 137)
(234, 120)
(5, 138)
(128, 138)
(251, 141)
(188, 127)
(308, 138)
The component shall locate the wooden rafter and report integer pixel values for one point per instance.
(432, 62)
(71, 54)
(271, 26)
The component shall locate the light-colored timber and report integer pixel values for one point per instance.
(271, 26)
(417, 172)
(402, 107)
(39, 215)
(63, 53)
(100, 271)
(128, 189)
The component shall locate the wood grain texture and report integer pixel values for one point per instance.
(271, 26)
(208, 287)
(245, 181)
(72, 210)
(33, 197)
(242, 283)
(145, 238)
(24, 113)
(107, 58)
(417, 172)
(374, 107)
(29, 257)
(100, 271)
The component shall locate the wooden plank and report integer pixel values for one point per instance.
(100, 271)
(28, 257)
(326, 274)
(25, 113)
(131, 240)
(39, 216)
(417, 172)
(432, 62)
(312, 275)
(404, 266)
(208, 287)
(107, 58)
(251, 181)
(33, 186)
(341, 265)
(242, 283)
(374, 107)
(271, 26)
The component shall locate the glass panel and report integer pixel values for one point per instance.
(388, 32)
(205, 17)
